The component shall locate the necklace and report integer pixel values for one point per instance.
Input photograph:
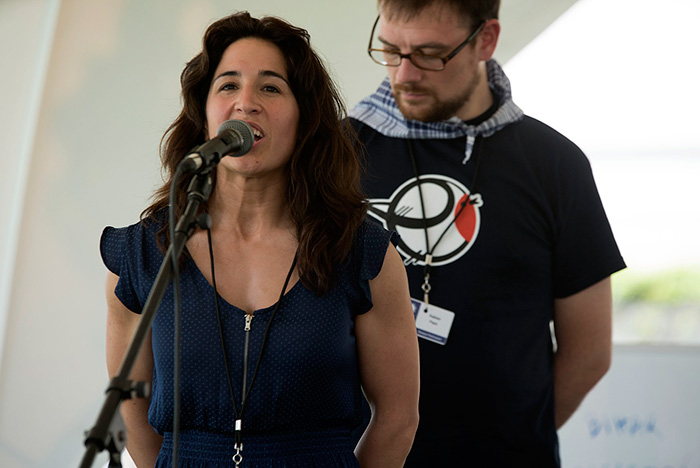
(245, 388)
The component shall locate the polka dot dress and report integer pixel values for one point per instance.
(306, 398)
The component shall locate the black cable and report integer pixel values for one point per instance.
(176, 317)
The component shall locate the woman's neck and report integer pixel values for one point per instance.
(250, 207)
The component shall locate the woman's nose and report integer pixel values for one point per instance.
(247, 102)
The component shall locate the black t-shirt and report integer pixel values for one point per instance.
(536, 231)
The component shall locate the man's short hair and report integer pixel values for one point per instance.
(471, 11)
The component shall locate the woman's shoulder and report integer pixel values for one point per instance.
(116, 243)
(371, 243)
(371, 230)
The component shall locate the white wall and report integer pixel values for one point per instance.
(22, 85)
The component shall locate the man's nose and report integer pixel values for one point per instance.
(406, 72)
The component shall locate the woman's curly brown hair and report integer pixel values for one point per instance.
(324, 191)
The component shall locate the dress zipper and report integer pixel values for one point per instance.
(238, 446)
(248, 320)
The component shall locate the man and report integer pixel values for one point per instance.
(507, 246)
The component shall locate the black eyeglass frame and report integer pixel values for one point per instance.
(409, 56)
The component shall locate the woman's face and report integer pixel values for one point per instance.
(250, 84)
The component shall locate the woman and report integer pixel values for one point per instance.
(295, 266)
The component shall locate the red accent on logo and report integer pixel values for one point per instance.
(465, 221)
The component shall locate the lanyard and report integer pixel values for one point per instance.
(245, 389)
(426, 286)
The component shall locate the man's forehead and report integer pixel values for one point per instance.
(420, 29)
(438, 13)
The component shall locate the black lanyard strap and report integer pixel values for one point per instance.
(245, 392)
(426, 286)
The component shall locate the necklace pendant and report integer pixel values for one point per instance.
(238, 457)
(426, 287)
(238, 446)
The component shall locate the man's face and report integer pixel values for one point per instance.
(425, 95)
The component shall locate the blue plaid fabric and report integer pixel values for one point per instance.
(380, 112)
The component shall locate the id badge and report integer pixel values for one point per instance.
(433, 323)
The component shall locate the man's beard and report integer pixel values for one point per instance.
(440, 110)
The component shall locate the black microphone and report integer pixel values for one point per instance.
(234, 138)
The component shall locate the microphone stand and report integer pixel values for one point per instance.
(109, 431)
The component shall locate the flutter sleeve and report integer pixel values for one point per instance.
(371, 246)
(122, 256)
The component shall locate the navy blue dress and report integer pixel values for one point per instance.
(306, 399)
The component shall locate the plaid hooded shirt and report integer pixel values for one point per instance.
(380, 112)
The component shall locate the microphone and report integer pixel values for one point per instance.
(234, 138)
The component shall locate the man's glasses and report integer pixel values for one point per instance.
(392, 58)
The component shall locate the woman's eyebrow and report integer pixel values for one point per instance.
(273, 74)
(236, 73)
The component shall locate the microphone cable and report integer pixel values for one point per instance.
(176, 316)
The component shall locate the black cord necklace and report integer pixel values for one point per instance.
(472, 199)
(245, 389)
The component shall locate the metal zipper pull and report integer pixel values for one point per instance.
(248, 319)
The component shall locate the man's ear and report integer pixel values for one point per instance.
(488, 39)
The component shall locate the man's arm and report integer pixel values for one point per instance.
(583, 329)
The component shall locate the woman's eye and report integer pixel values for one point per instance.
(271, 89)
(228, 87)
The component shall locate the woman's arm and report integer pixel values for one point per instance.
(388, 356)
(143, 443)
